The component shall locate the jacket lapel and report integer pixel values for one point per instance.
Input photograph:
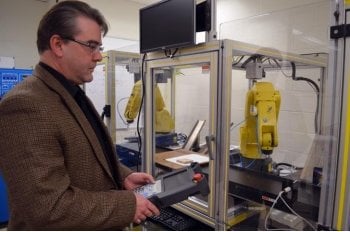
(79, 116)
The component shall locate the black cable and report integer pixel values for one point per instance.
(285, 164)
(250, 59)
(314, 84)
(237, 62)
(139, 142)
(313, 53)
(171, 54)
(280, 67)
(317, 98)
(166, 52)
(293, 70)
(181, 138)
(308, 80)
(118, 111)
(106, 111)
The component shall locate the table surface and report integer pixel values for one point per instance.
(161, 158)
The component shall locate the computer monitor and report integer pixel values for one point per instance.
(193, 138)
(203, 16)
(168, 24)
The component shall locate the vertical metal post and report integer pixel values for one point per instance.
(110, 93)
(212, 34)
(222, 139)
(330, 216)
(148, 129)
(342, 200)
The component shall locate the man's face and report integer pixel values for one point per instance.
(81, 53)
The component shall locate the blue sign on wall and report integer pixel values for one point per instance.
(8, 79)
(4, 208)
(11, 77)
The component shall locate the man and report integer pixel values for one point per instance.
(57, 158)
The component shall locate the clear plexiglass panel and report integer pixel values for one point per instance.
(278, 116)
(184, 93)
(182, 115)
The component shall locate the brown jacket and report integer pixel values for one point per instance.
(53, 164)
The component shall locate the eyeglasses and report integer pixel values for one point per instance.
(93, 45)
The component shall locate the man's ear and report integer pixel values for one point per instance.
(56, 43)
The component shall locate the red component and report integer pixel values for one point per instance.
(197, 177)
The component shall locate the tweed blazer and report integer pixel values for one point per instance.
(54, 166)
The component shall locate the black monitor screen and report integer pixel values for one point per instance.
(167, 24)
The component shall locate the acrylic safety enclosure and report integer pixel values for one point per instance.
(272, 123)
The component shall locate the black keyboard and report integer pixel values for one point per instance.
(174, 219)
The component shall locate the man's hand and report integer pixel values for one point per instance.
(137, 179)
(144, 209)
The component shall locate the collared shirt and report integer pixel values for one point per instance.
(79, 95)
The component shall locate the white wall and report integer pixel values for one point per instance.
(237, 9)
(298, 29)
(123, 17)
(19, 20)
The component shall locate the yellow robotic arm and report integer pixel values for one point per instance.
(134, 102)
(259, 133)
(164, 121)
